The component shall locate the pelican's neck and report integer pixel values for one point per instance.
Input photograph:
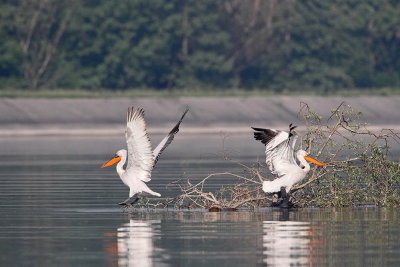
(120, 165)
(304, 163)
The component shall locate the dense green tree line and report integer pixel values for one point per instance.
(272, 44)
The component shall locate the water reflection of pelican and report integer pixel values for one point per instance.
(135, 243)
(287, 243)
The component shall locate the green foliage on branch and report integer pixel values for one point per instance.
(360, 171)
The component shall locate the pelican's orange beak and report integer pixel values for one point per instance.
(111, 162)
(319, 163)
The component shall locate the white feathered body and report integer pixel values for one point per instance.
(289, 172)
(136, 185)
(280, 159)
(288, 180)
(134, 178)
(140, 157)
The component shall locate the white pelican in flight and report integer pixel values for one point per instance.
(141, 159)
(281, 160)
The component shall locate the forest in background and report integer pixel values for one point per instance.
(272, 45)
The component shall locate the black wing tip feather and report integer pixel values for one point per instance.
(186, 111)
(171, 135)
(176, 127)
(264, 135)
(258, 129)
(291, 130)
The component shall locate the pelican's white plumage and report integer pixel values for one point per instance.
(139, 157)
(281, 158)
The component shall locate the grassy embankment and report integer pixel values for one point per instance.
(203, 92)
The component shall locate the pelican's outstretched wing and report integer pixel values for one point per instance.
(168, 139)
(279, 148)
(140, 156)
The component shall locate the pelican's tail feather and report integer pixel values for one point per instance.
(151, 192)
(145, 179)
(147, 190)
(272, 186)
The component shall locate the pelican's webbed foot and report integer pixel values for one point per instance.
(129, 201)
(284, 203)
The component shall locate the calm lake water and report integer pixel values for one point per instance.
(58, 208)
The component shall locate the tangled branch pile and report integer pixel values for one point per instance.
(359, 171)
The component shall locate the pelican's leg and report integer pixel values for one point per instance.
(285, 198)
(129, 201)
(125, 202)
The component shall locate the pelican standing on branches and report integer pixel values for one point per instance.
(140, 157)
(281, 160)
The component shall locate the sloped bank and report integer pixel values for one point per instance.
(21, 116)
